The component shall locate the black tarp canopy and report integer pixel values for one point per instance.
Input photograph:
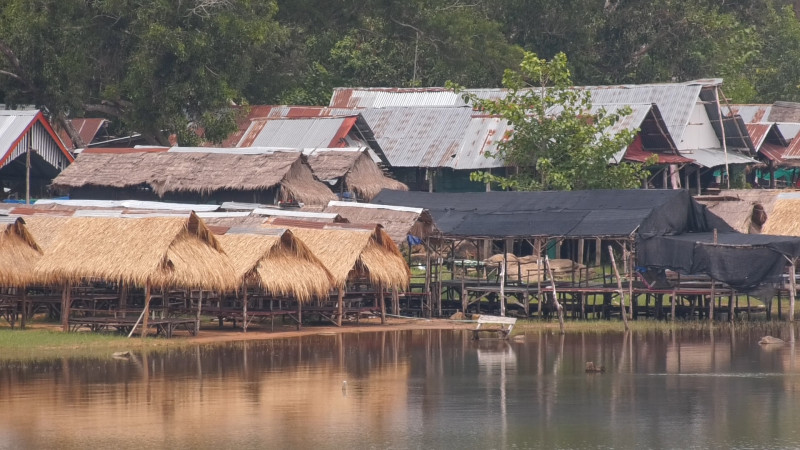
(571, 214)
(672, 231)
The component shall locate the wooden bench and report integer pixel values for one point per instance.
(503, 322)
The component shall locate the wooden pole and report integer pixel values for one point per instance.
(792, 289)
(146, 311)
(630, 268)
(503, 281)
(123, 298)
(622, 311)
(66, 302)
(427, 307)
(395, 301)
(244, 308)
(339, 306)
(558, 306)
(299, 314)
(539, 274)
(197, 317)
(672, 304)
(382, 301)
(24, 306)
(28, 176)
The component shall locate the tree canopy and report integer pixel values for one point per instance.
(559, 141)
(159, 67)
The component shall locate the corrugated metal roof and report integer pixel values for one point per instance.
(758, 133)
(375, 206)
(749, 113)
(302, 132)
(789, 130)
(12, 125)
(713, 157)
(129, 204)
(273, 212)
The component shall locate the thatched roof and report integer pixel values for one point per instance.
(743, 209)
(280, 263)
(361, 174)
(785, 217)
(196, 172)
(163, 252)
(19, 254)
(347, 252)
(398, 221)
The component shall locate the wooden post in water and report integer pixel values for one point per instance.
(244, 307)
(123, 298)
(426, 308)
(559, 308)
(539, 274)
(146, 311)
(382, 301)
(66, 303)
(711, 303)
(395, 301)
(339, 305)
(672, 303)
(299, 314)
(622, 311)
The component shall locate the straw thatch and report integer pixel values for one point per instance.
(19, 254)
(785, 218)
(398, 222)
(359, 172)
(746, 210)
(195, 172)
(354, 252)
(45, 229)
(161, 252)
(281, 264)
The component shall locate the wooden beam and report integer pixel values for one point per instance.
(146, 311)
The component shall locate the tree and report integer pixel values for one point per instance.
(559, 140)
(156, 66)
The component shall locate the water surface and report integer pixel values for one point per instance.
(416, 389)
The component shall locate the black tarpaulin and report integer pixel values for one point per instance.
(598, 213)
(743, 261)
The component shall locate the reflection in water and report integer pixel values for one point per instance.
(415, 389)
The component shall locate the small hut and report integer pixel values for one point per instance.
(148, 252)
(351, 173)
(193, 176)
(351, 254)
(746, 210)
(784, 219)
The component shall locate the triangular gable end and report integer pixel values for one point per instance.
(39, 118)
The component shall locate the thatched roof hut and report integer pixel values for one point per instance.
(354, 252)
(351, 170)
(746, 210)
(784, 219)
(398, 221)
(158, 251)
(277, 261)
(19, 254)
(269, 177)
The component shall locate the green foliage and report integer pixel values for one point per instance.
(559, 142)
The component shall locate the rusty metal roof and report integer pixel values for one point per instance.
(758, 133)
(749, 113)
(298, 132)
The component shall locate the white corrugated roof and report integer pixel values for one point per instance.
(129, 204)
(12, 124)
(713, 157)
(293, 213)
(375, 206)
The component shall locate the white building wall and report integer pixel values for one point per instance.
(699, 133)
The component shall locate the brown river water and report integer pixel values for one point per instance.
(419, 389)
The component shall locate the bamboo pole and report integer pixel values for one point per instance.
(123, 298)
(792, 288)
(24, 307)
(559, 308)
(299, 314)
(339, 305)
(146, 310)
(622, 311)
(539, 273)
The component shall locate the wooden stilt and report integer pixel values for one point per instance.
(426, 309)
(395, 302)
(711, 303)
(199, 310)
(503, 282)
(146, 311)
(299, 314)
(24, 318)
(559, 308)
(123, 298)
(792, 289)
(66, 303)
(622, 311)
(339, 306)
(244, 308)
(382, 301)
(672, 307)
(539, 274)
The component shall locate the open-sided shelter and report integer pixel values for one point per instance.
(194, 176)
(351, 173)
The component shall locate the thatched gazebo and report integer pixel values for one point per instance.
(19, 254)
(352, 171)
(276, 261)
(153, 252)
(351, 253)
(193, 176)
